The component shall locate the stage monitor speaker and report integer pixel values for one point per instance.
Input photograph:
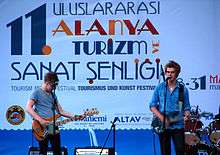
(36, 151)
(93, 151)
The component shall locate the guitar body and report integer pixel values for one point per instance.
(172, 117)
(40, 132)
(157, 125)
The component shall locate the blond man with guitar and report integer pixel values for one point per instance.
(170, 105)
(40, 106)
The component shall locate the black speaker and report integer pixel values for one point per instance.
(36, 151)
(93, 151)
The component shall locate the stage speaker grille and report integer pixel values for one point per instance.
(93, 151)
(36, 151)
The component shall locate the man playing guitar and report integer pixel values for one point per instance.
(40, 107)
(165, 103)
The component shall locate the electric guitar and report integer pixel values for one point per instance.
(172, 117)
(41, 132)
(157, 124)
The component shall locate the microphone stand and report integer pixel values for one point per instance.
(162, 72)
(154, 132)
(165, 104)
(112, 128)
(54, 113)
(164, 119)
(218, 115)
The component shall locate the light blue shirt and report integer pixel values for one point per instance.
(44, 103)
(172, 103)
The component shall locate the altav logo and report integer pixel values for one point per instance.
(38, 32)
(128, 119)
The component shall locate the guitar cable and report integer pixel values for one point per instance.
(32, 138)
(154, 142)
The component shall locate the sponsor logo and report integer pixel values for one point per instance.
(15, 115)
(132, 118)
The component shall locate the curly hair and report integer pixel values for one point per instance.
(175, 65)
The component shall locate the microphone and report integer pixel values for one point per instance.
(115, 119)
(218, 115)
(197, 109)
(168, 78)
(219, 110)
(162, 72)
(55, 84)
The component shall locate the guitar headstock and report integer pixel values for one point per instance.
(90, 112)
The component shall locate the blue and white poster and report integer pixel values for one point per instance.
(108, 55)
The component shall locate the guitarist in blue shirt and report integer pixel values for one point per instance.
(171, 107)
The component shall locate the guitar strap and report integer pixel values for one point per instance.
(181, 96)
(55, 102)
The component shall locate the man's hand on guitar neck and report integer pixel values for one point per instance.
(78, 117)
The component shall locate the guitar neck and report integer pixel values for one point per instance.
(64, 121)
(76, 117)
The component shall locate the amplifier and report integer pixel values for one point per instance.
(93, 151)
(36, 151)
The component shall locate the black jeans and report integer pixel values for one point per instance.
(55, 144)
(178, 138)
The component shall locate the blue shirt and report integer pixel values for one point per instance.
(44, 103)
(172, 103)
